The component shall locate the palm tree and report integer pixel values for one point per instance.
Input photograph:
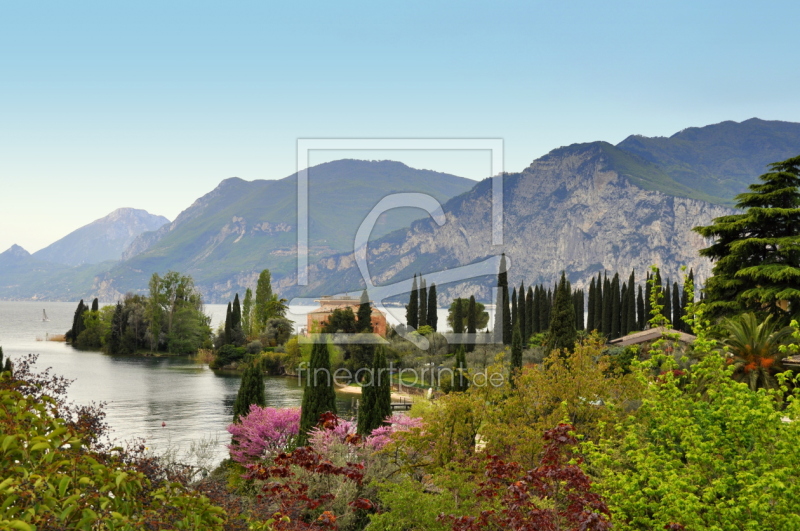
(754, 349)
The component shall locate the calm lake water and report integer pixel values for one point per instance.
(140, 392)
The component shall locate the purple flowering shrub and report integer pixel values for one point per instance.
(265, 431)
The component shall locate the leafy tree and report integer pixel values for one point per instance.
(562, 333)
(412, 309)
(318, 394)
(251, 391)
(481, 315)
(433, 307)
(756, 254)
(342, 321)
(267, 304)
(277, 331)
(702, 452)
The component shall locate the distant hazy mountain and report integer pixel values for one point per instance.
(229, 235)
(102, 240)
(718, 161)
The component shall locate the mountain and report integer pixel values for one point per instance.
(583, 209)
(103, 239)
(718, 161)
(229, 235)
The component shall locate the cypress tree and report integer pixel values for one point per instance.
(623, 310)
(458, 316)
(647, 289)
(502, 281)
(364, 314)
(412, 310)
(535, 313)
(667, 311)
(247, 310)
(1, 358)
(608, 302)
(433, 315)
(685, 300)
(676, 307)
(640, 310)
(472, 323)
(507, 324)
(77, 322)
(590, 316)
(251, 391)
(631, 307)
(95, 305)
(529, 328)
(423, 303)
(599, 306)
(460, 377)
(514, 308)
(615, 306)
(318, 393)
(562, 334)
(376, 402)
(236, 313)
(521, 312)
(578, 304)
(516, 351)
(228, 325)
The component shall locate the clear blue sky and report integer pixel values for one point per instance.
(151, 104)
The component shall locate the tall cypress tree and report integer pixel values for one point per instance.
(423, 302)
(590, 315)
(514, 308)
(608, 303)
(647, 289)
(631, 306)
(562, 334)
(472, 323)
(685, 300)
(318, 393)
(529, 315)
(77, 323)
(228, 325)
(521, 314)
(535, 314)
(615, 306)
(676, 307)
(516, 351)
(236, 313)
(623, 310)
(578, 305)
(667, 311)
(376, 403)
(501, 304)
(507, 325)
(251, 391)
(364, 315)
(412, 310)
(599, 308)
(433, 316)
(95, 305)
(458, 316)
(640, 310)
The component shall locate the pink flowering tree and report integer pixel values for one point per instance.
(345, 432)
(263, 432)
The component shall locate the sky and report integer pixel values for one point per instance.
(151, 104)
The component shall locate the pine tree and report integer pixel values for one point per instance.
(590, 316)
(376, 403)
(472, 323)
(318, 394)
(412, 310)
(756, 254)
(423, 303)
(516, 351)
(228, 326)
(251, 391)
(433, 308)
(364, 315)
(676, 307)
(562, 334)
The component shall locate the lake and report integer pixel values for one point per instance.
(140, 392)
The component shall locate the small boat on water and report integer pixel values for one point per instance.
(44, 316)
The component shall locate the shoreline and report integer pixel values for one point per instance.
(396, 395)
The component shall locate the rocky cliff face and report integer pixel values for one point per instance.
(569, 210)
